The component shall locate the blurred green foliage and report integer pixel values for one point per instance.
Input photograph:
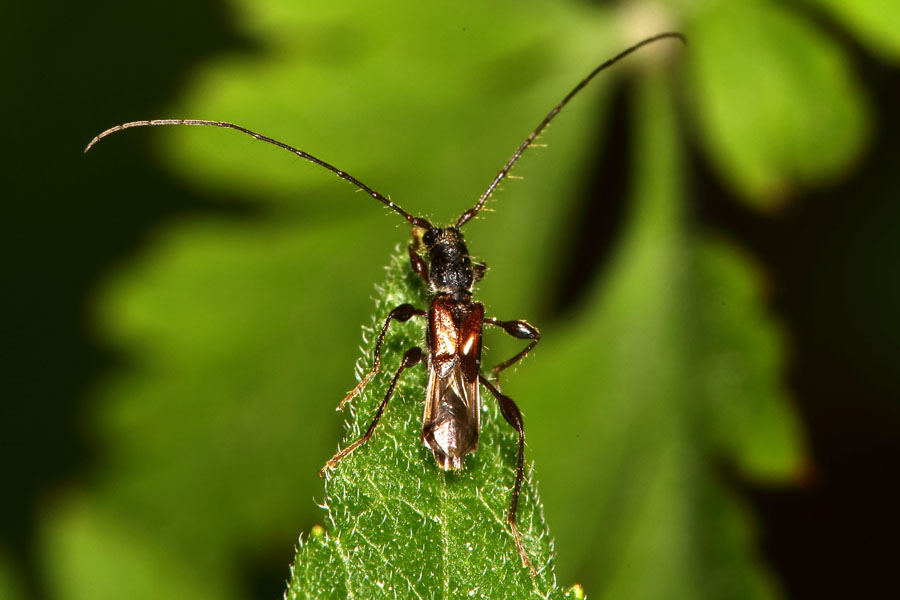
(239, 334)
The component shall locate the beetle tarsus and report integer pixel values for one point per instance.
(526, 562)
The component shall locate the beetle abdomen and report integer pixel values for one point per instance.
(453, 433)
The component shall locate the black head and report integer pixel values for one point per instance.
(450, 269)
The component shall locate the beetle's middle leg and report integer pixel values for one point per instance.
(518, 329)
(402, 313)
(412, 357)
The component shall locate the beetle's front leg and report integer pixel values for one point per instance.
(418, 264)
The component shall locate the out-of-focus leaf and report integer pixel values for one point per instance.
(774, 97)
(10, 586)
(739, 355)
(877, 22)
(658, 391)
(209, 420)
(399, 526)
(92, 553)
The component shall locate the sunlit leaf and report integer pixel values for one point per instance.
(876, 22)
(774, 98)
(399, 526)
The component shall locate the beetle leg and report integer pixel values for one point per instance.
(511, 413)
(412, 357)
(418, 264)
(402, 313)
(518, 329)
(478, 270)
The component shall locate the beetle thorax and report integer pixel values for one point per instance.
(450, 269)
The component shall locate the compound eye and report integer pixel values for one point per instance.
(430, 236)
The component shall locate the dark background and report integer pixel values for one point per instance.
(832, 258)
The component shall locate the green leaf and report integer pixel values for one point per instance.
(739, 356)
(11, 586)
(668, 372)
(96, 553)
(208, 416)
(398, 525)
(774, 97)
(236, 333)
(876, 22)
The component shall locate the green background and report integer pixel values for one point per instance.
(707, 243)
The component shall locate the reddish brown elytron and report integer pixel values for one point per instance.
(452, 402)
(453, 357)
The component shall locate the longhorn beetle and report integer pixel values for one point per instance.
(453, 333)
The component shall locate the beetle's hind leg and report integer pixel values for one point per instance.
(511, 413)
(412, 357)
(402, 313)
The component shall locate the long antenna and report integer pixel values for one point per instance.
(415, 221)
(469, 214)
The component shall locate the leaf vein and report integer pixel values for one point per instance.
(379, 552)
(346, 562)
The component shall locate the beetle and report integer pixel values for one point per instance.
(450, 423)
